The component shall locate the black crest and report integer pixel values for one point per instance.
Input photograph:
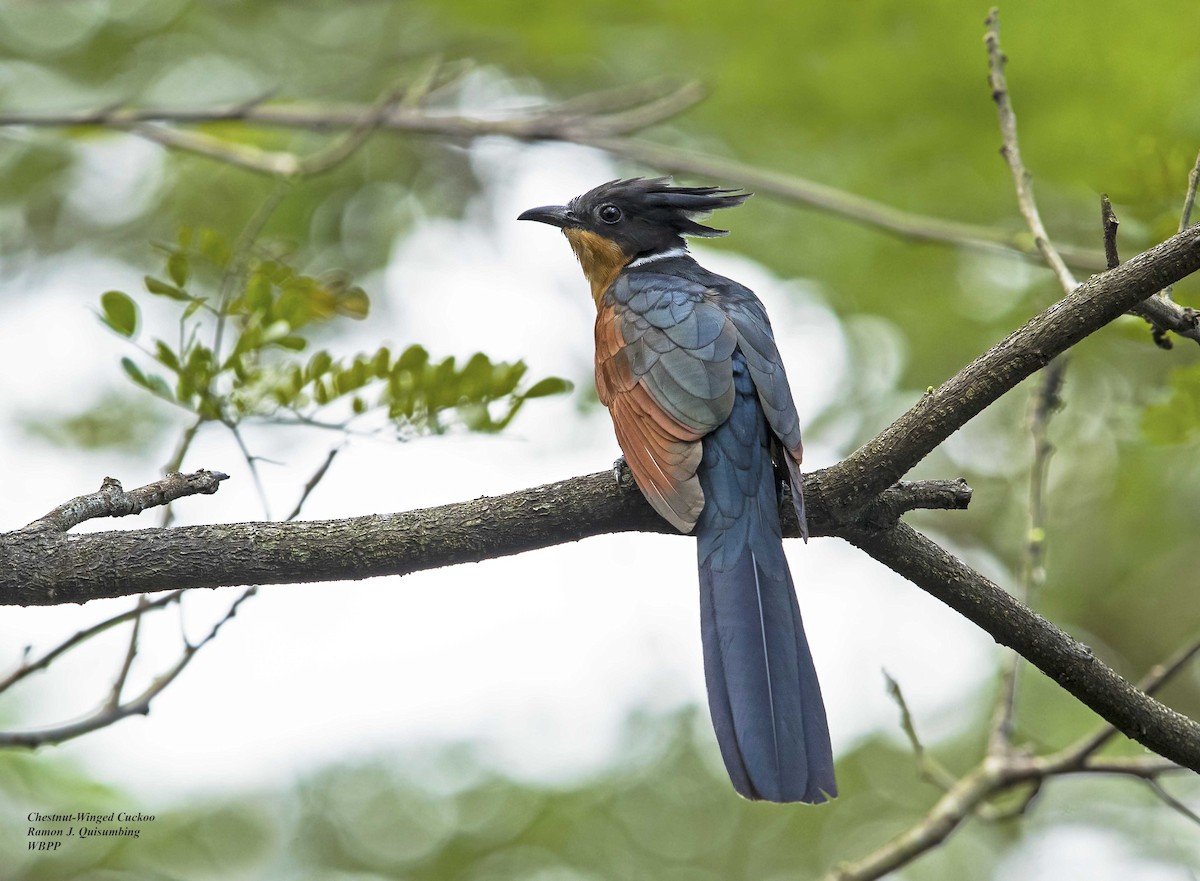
(642, 216)
(655, 202)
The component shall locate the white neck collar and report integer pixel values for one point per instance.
(678, 251)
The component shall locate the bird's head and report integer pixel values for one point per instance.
(623, 220)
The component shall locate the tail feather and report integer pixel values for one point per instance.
(763, 693)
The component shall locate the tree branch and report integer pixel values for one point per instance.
(114, 710)
(113, 501)
(602, 122)
(1011, 151)
(893, 452)
(26, 667)
(1065, 660)
(47, 568)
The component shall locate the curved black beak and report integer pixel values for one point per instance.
(555, 215)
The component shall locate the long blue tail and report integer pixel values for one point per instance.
(763, 692)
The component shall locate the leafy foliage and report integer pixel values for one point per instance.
(1176, 418)
(116, 421)
(237, 353)
(663, 811)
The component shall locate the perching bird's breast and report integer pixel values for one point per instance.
(602, 259)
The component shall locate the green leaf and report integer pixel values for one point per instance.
(318, 364)
(120, 312)
(551, 385)
(159, 386)
(276, 331)
(354, 303)
(162, 288)
(414, 358)
(381, 363)
(134, 372)
(165, 355)
(177, 268)
(258, 292)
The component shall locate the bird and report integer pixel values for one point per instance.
(688, 367)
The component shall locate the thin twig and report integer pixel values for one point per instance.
(927, 766)
(1160, 311)
(1189, 199)
(252, 464)
(409, 95)
(83, 636)
(562, 122)
(239, 260)
(1011, 151)
(967, 794)
(114, 697)
(1171, 801)
(1109, 224)
(316, 478)
(222, 150)
(107, 715)
(1002, 772)
(176, 463)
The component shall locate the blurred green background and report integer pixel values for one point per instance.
(880, 99)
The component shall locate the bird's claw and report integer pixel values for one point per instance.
(621, 473)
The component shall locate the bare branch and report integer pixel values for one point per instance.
(561, 122)
(929, 768)
(1160, 311)
(1048, 396)
(110, 713)
(959, 803)
(999, 772)
(1109, 224)
(316, 478)
(1164, 315)
(893, 452)
(1189, 199)
(176, 463)
(113, 501)
(1065, 660)
(114, 697)
(1011, 151)
(83, 636)
(1079, 752)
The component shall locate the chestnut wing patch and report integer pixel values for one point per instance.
(663, 369)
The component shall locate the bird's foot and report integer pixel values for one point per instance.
(621, 473)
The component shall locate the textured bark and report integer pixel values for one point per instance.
(1099, 300)
(1067, 661)
(42, 567)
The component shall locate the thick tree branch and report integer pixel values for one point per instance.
(1065, 660)
(48, 568)
(890, 455)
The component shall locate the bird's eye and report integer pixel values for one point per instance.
(609, 213)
